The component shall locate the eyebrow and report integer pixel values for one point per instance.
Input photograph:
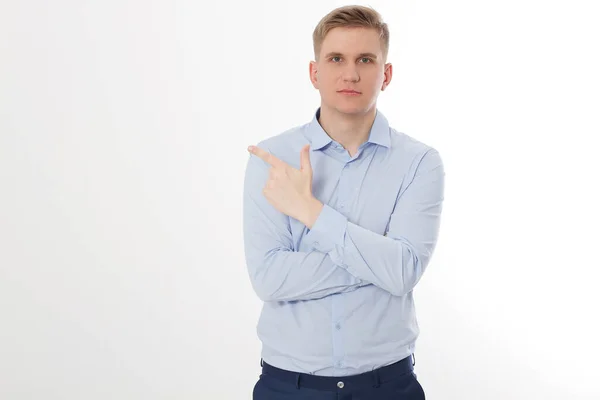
(337, 54)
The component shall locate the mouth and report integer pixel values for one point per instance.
(349, 92)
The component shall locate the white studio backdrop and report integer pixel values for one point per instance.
(123, 135)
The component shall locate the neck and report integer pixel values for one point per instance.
(348, 130)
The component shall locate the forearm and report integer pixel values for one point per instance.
(392, 264)
(284, 275)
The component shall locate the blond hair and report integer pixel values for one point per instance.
(350, 17)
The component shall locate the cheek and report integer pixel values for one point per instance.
(376, 81)
(326, 86)
(326, 79)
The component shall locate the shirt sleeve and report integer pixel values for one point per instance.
(277, 272)
(396, 260)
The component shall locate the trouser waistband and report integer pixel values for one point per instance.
(374, 377)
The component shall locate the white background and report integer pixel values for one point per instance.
(123, 134)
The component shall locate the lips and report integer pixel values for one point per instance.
(349, 92)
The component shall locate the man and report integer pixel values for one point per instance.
(341, 218)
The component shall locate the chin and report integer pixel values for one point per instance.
(349, 106)
(352, 109)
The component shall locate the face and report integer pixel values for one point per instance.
(351, 59)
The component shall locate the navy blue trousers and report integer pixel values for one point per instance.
(393, 382)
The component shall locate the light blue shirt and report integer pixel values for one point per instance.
(338, 299)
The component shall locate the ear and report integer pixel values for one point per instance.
(387, 75)
(312, 69)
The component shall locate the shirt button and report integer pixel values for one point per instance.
(338, 364)
(338, 326)
(316, 243)
(340, 384)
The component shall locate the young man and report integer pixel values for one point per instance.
(341, 217)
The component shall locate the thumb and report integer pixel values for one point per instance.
(305, 159)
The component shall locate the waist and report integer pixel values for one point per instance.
(378, 375)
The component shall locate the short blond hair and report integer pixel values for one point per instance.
(350, 17)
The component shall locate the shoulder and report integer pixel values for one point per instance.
(405, 145)
(412, 154)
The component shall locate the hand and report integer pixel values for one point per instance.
(288, 189)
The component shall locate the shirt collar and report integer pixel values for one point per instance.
(379, 134)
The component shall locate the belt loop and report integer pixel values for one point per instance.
(261, 362)
(414, 359)
(375, 375)
(297, 381)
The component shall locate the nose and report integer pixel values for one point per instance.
(350, 74)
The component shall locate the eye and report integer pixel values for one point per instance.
(334, 58)
(366, 60)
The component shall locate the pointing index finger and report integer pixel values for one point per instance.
(266, 156)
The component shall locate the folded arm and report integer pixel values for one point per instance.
(277, 272)
(395, 261)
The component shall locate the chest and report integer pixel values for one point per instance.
(363, 190)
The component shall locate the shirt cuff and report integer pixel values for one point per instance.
(328, 231)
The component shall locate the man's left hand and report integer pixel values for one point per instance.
(288, 189)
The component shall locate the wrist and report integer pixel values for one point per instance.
(313, 210)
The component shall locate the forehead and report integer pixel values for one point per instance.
(351, 41)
